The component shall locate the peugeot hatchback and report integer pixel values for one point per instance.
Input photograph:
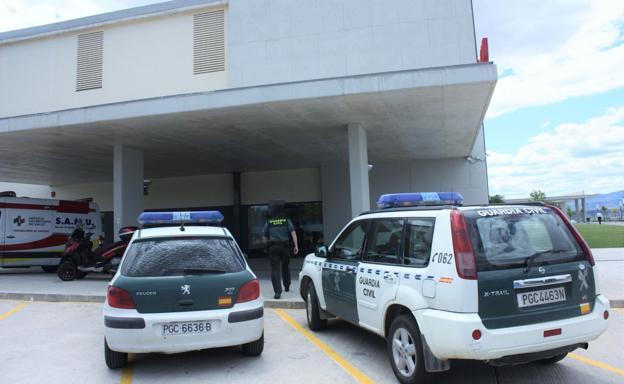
(183, 285)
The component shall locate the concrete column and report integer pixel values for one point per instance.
(127, 186)
(576, 211)
(358, 169)
(336, 200)
(584, 205)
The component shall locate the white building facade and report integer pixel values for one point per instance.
(229, 104)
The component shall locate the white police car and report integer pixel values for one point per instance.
(501, 284)
(182, 286)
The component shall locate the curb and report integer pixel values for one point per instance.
(616, 303)
(51, 297)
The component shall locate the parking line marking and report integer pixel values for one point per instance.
(17, 308)
(128, 371)
(358, 375)
(596, 363)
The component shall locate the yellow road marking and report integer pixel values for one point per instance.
(128, 371)
(12, 311)
(358, 375)
(598, 364)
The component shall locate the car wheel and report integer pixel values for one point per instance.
(405, 350)
(67, 271)
(552, 360)
(254, 348)
(313, 310)
(49, 268)
(114, 360)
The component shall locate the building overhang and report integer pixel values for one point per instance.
(409, 115)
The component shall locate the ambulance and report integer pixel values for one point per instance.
(33, 232)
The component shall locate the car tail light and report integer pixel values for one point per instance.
(577, 236)
(465, 261)
(119, 298)
(476, 334)
(248, 292)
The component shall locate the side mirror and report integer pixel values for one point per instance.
(321, 250)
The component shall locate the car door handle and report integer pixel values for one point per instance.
(10, 237)
(388, 277)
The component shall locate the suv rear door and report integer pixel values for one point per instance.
(183, 273)
(378, 274)
(530, 267)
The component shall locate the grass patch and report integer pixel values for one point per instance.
(602, 236)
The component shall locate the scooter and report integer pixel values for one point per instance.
(79, 259)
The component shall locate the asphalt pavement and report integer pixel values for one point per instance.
(63, 343)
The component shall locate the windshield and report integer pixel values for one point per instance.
(180, 256)
(509, 237)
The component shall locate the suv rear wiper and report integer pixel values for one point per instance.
(201, 271)
(529, 260)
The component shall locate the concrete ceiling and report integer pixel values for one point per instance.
(415, 123)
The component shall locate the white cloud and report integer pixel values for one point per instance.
(18, 14)
(552, 50)
(585, 156)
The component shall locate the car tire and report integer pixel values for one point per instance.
(114, 360)
(254, 348)
(313, 310)
(405, 350)
(67, 271)
(50, 268)
(552, 360)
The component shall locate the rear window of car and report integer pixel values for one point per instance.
(178, 256)
(506, 237)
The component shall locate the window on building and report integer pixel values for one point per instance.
(385, 244)
(90, 54)
(209, 42)
(418, 238)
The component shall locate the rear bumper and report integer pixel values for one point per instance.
(129, 331)
(449, 334)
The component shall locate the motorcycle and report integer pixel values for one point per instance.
(79, 259)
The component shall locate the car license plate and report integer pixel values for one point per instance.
(544, 296)
(186, 328)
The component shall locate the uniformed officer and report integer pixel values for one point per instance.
(276, 231)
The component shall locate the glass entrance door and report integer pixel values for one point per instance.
(306, 217)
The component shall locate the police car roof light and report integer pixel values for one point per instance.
(397, 200)
(164, 218)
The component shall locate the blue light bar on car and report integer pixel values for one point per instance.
(197, 217)
(396, 200)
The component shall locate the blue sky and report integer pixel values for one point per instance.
(556, 120)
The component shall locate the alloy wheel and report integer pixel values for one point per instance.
(404, 352)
